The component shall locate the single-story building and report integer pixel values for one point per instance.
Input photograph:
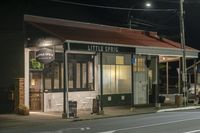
(119, 66)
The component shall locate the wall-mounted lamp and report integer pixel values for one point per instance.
(33, 82)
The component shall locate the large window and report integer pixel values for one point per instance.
(52, 76)
(80, 73)
(116, 74)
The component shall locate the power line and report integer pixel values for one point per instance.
(113, 8)
(177, 1)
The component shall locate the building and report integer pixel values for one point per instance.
(117, 65)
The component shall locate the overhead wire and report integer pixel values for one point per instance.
(111, 7)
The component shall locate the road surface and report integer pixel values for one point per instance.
(165, 122)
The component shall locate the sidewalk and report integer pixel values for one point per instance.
(13, 120)
(116, 112)
(110, 112)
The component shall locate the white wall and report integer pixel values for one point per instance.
(54, 101)
(26, 77)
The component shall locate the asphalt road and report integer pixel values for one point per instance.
(165, 122)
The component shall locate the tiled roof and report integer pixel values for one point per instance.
(79, 31)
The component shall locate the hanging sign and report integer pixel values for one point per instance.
(45, 55)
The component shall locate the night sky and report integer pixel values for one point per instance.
(165, 23)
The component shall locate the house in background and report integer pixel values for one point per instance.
(117, 65)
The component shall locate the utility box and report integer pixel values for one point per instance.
(95, 106)
(178, 100)
(73, 109)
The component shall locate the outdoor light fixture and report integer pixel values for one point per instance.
(47, 42)
(148, 4)
(163, 58)
(33, 83)
(145, 5)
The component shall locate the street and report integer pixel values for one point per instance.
(165, 122)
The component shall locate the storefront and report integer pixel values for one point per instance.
(118, 66)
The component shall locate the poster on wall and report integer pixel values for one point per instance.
(45, 55)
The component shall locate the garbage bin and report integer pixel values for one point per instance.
(178, 100)
(161, 99)
(95, 106)
(72, 108)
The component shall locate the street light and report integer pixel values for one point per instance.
(182, 33)
(147, 5)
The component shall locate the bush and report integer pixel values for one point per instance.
(23, 110)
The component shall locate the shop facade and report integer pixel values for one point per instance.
(93, 62)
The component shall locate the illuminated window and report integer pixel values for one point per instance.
(140, 64)
(120, 60)
(80, 74)
(116, 75)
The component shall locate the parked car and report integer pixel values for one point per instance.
(191, 89)
(191, 93)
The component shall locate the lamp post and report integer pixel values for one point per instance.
(182, 34)
(147, 5)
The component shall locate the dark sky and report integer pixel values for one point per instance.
(165, 23)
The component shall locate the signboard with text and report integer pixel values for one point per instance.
(45, 55)
(99, 48)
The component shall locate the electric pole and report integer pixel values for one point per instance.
(182, 34)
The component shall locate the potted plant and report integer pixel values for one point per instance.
(23, 110)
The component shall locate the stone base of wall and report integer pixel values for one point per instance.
(53, 102)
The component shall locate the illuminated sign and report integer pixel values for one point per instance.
(45, 55)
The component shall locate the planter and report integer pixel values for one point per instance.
(23, 110)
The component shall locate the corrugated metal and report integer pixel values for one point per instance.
(79, 31)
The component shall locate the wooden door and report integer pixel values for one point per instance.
(35, 101)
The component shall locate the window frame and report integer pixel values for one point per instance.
(74, 72)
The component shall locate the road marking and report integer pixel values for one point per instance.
(109, 131)
(193, 131)
(151, 125)
(87, 128)
(66, 129)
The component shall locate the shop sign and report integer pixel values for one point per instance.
(100, 48)
(45, 55)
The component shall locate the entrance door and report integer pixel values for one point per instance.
(140, 88)
(35, 90)
(140, 81)
(35, 101)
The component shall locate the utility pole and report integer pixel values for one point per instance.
(184, 71)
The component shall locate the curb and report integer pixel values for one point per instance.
(175, 109)
(113, 116)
